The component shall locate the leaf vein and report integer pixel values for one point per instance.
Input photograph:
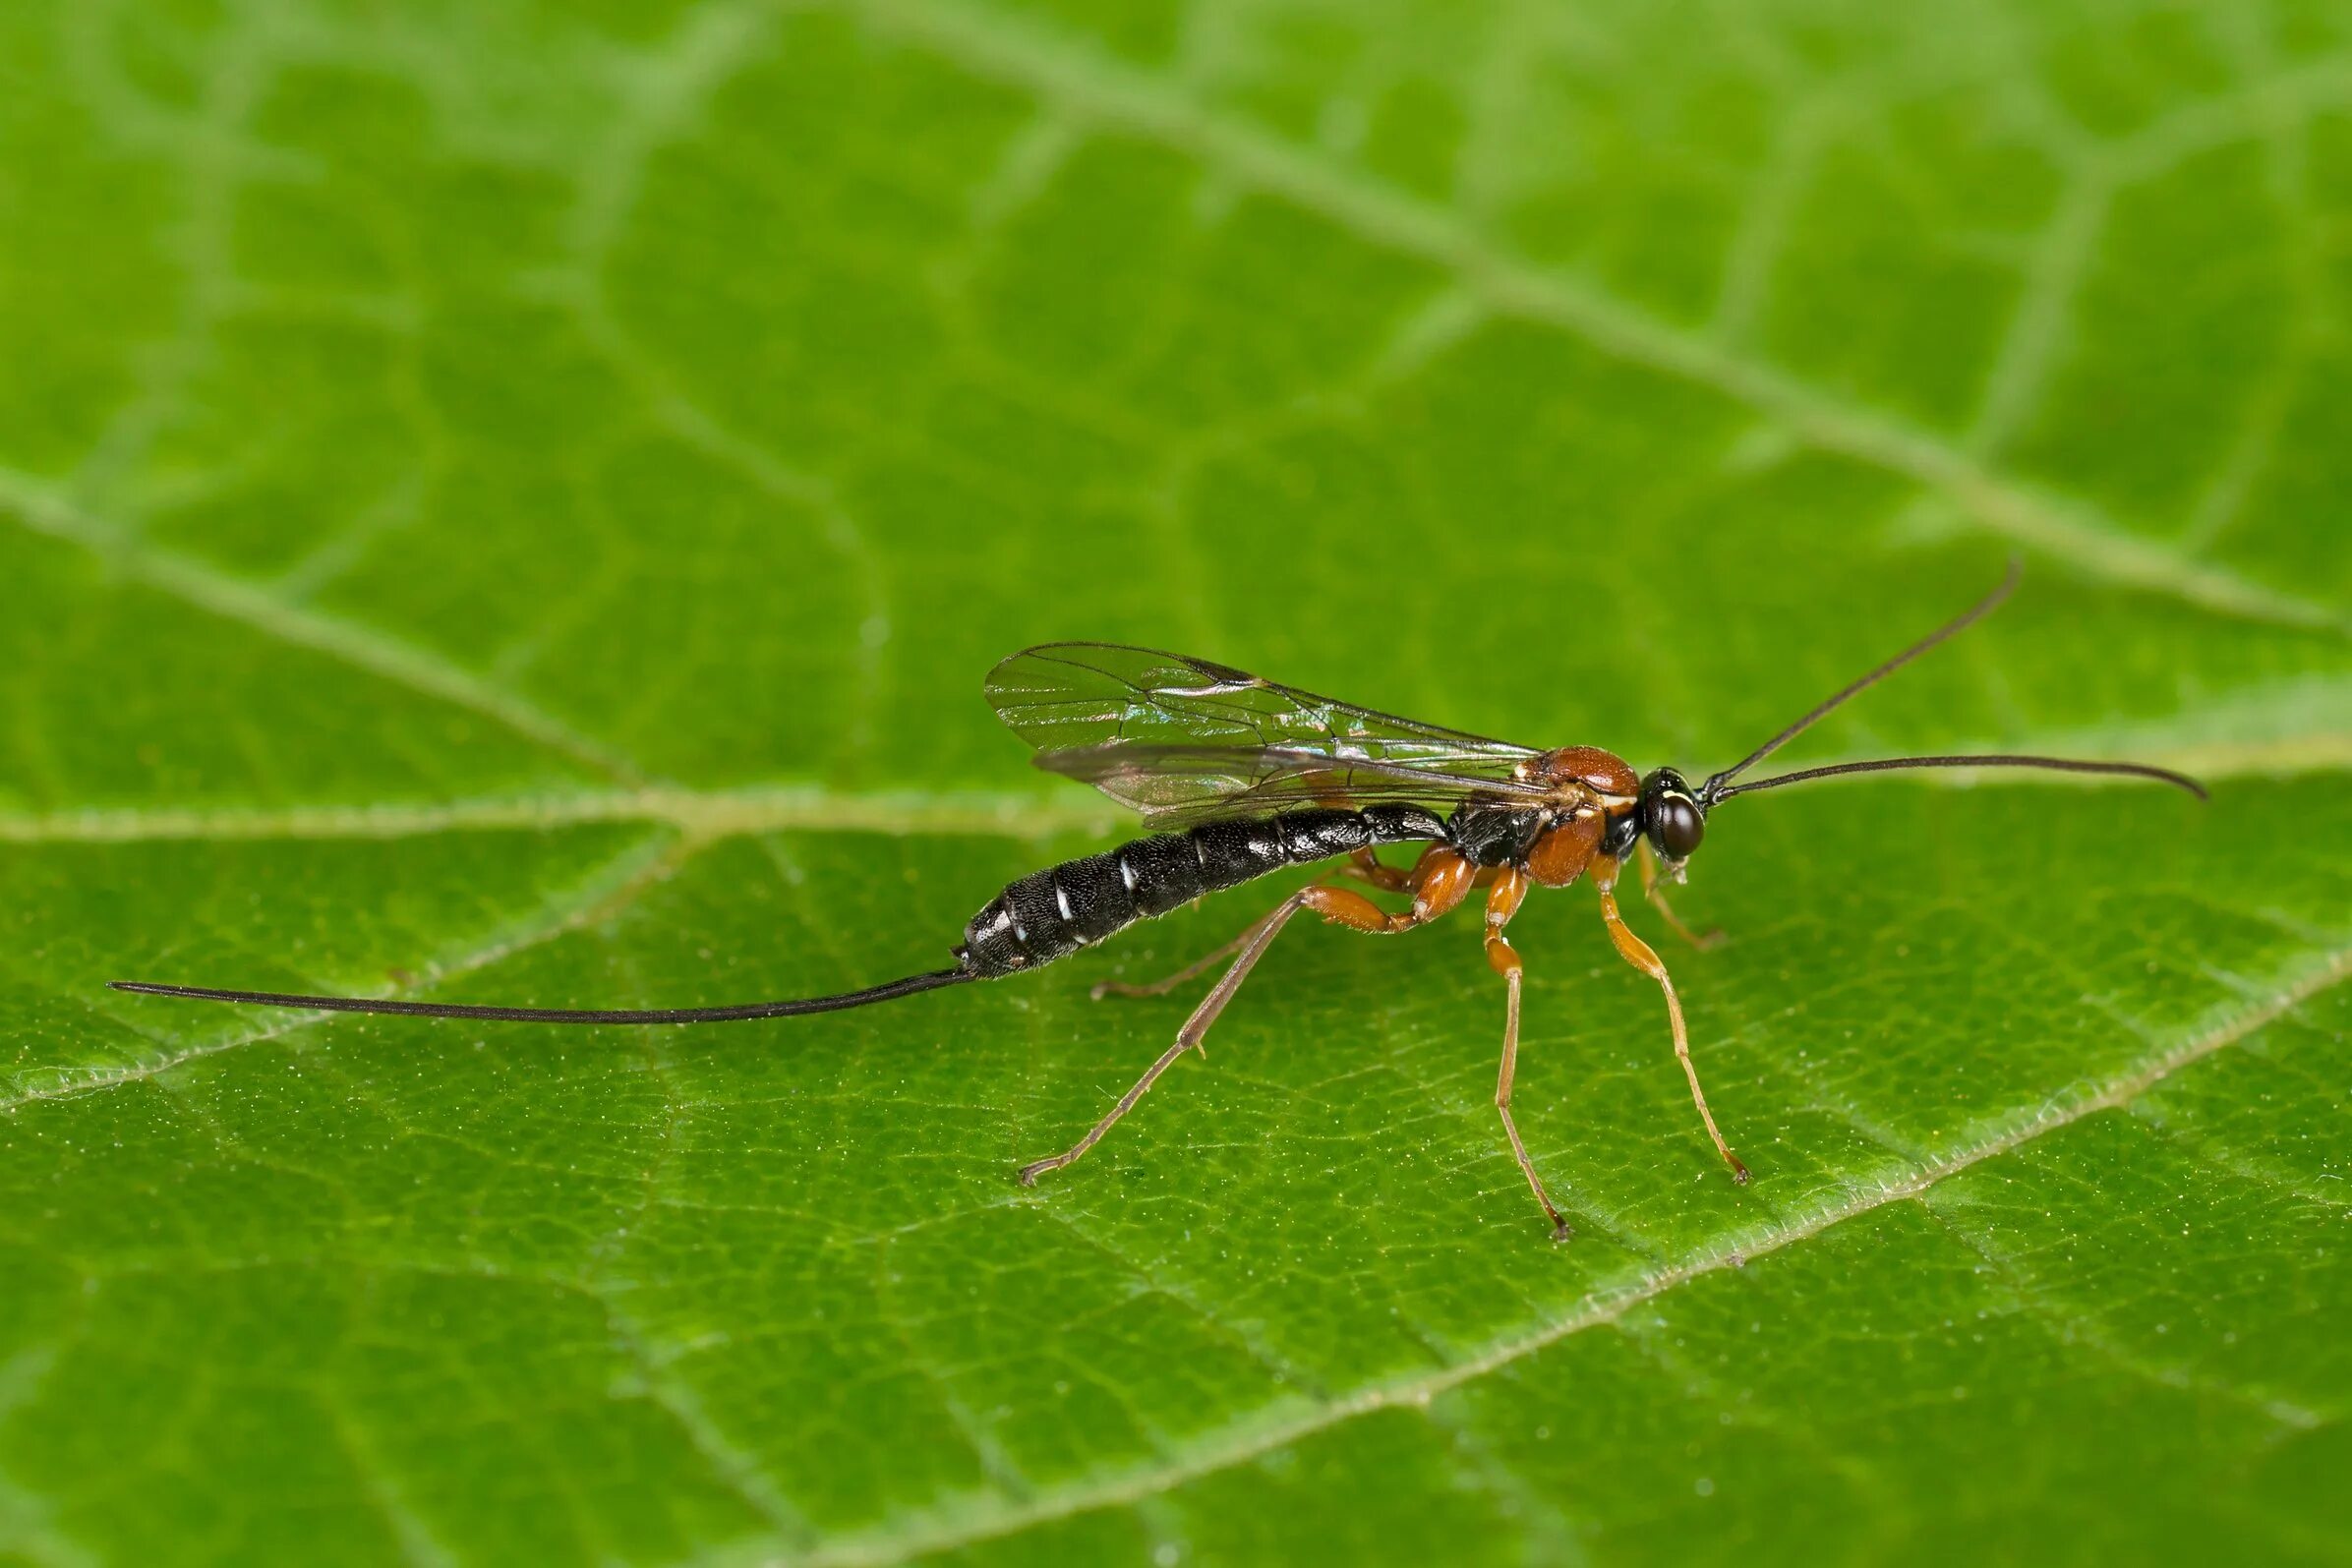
(1092, 85)
(207, 588)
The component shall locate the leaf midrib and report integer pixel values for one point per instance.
(800, 807)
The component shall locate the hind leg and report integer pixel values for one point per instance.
(1440, 881)
(1363, 864)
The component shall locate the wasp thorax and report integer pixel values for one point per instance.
(1604, 773)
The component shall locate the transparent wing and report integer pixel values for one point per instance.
(1181, 738)
(1175, 785)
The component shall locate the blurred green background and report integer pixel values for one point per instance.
(514, 502)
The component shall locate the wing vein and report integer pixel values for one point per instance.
(1184, 739)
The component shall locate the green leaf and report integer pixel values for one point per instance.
(510, 503)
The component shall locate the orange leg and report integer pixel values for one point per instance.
(1440, 882)
(1650, 890)
(1635, 951)
(1509, 887)
(1388, 879)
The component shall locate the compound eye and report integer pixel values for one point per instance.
(1676, 825)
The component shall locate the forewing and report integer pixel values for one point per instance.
(1181, 738)
(1176, 785)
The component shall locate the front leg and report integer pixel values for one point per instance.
(1635, 951)
(1666, 911)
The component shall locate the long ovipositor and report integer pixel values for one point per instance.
(1045, 915)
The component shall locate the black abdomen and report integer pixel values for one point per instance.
(1054, 913)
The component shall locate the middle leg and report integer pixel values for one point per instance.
(1503, 902)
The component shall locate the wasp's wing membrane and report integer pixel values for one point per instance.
(1184, 739)
(1176, 785)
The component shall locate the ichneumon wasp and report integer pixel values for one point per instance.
(1251, 777)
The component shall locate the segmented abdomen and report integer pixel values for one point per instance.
(1056, 912)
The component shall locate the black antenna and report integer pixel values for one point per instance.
(1713, 789)
(2135, 770)
(890, 991)
(1720, 787)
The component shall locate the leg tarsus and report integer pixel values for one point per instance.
(1254, 943)
(1652, 889)
(1029, 1172)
